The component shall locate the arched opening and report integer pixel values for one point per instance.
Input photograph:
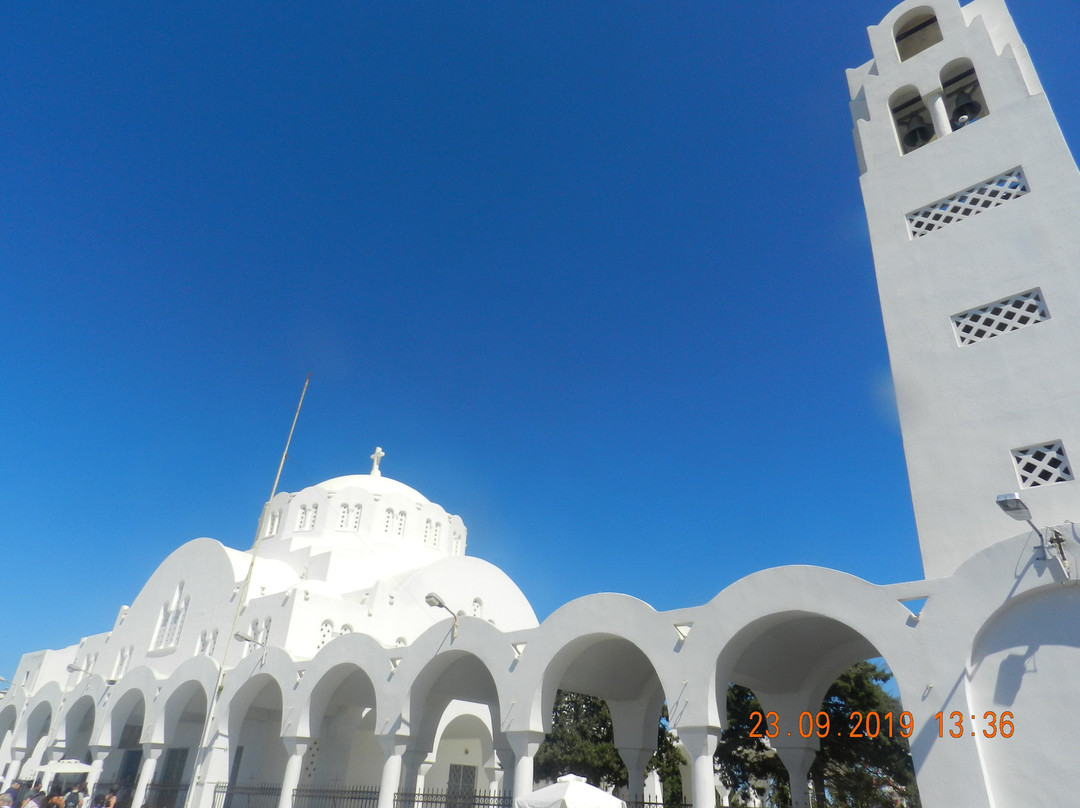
(454, 707)
(344, 752)
(257, 754)
(964, 99)
(185, 717)
(78, 726)
(605, 696)
(8, 716)
(38, 725)
(915, 32)
(911, 120)
(121, 768)
(1023, 673)
(810, 709)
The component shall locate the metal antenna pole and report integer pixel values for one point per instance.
(203, 751)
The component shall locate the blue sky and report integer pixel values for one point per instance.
(595, 275)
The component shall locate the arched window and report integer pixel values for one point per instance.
(427, 531)
(343, 516)
(964, 100)
(301, 518)
(356, 517)
(389, 526)
(401, 523)
(435, 535)
(326, 631)
(916, 31)
(912, 120)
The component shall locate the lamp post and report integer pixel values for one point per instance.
(1018, 510)
(433, 600)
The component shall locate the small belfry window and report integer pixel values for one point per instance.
(917, 31)
(911, 118)
(964, 100)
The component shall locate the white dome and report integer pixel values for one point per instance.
(376, 484)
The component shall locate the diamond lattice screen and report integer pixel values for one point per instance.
(1000, 317)
(1042, 464)
(968, 202)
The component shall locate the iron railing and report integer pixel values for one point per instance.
(441, 798)
(356, 797)
(227, 795)
(159, 795)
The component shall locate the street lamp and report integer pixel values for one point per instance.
(76, 669)
(432, 599)
(1018, 510)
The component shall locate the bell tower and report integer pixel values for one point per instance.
(972, 200)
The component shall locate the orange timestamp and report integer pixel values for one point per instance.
(872, 724)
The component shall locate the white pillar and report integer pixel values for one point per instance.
(635, 761)
(798, 759)
(700, 744)
(296, 747)
(524, 743)
(394, 749)
(151, 753)
(213, 769)
(940, 115)
(98, 754)
(505, 774)
(18, 757)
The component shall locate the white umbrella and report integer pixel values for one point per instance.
(65, 767)
(569, 791)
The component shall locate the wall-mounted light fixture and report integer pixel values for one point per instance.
(1018, 510)
(433, 600)
(76, 669)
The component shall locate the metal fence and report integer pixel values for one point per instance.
(436, 798)
(358, 797)
(227, 795)
(166, 796)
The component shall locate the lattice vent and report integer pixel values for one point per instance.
(985, 195)
(1000, 317)
(1042, 464)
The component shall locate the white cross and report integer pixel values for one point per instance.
(375, 458)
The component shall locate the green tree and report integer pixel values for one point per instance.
(862, 772)
(744, 763)
(855, 772)
(582, 741)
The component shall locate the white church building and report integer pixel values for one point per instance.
(357, 650)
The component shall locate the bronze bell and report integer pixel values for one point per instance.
(965, 110)
(918, 132)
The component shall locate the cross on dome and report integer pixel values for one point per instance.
(375, 458)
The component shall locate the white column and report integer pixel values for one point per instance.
(700, 743)
(151, 753)
(505, 774)
(18, 757)
(798, 759)
(394, 749)
(296, 747)
(211, 770)
(98, 754)
(635, 761)
(524, 743)
(422, 773)
(940, 115)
